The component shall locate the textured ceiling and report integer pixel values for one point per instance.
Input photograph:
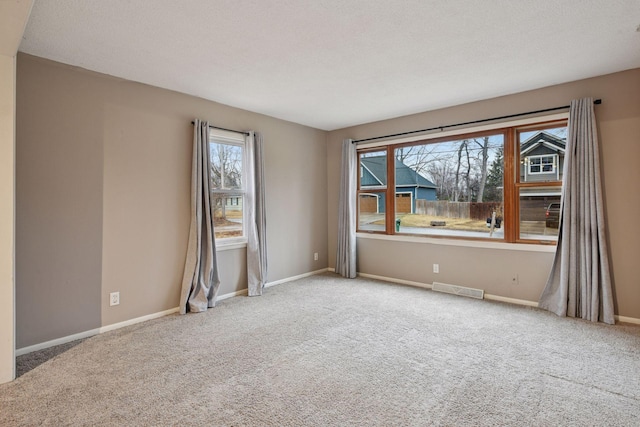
(335, 63)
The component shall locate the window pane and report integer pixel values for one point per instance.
(373, 170)
(226, 166)
(227, 215)
(542, 154)
(539, 213)
(371, 211)
(450, 188)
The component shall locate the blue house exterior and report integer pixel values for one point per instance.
(410, 185)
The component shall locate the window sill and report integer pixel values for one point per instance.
(231, 245)
(464, 243)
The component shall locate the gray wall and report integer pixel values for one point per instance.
(59, 157)
(494, 269)
(103, 177)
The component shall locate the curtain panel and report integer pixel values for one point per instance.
(346, 251)
(579, 284)
(200, 281)
(256, 215)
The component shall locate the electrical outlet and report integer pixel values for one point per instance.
(436, 268)
(114, 298)
(315, 256)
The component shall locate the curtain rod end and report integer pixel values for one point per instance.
(598, 101)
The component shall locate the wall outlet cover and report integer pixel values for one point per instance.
(114, 298)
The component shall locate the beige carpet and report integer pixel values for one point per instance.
(330, 351)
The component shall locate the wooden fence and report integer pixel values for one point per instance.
(448, 209)
(485, 209)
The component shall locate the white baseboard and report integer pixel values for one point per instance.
(394, 280)
(511, 300)
(92, 332)
(140, 319)
(623, 319)
(429, 286)
(626, 319)
(114, 326)
(292, 278)
(163, 313)
(232, 294)
(57, 341)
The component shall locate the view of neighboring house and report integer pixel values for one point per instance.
(410, 186)
(542, 158)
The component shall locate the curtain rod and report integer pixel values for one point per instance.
(597, 101)
(228, 130)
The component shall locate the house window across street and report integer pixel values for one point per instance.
(500, 185)
(542, 164)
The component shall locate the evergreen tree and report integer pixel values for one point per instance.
(495, 178)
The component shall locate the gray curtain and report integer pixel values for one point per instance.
(346, 253)
(200, 282)
(580, 283)
(256, 216)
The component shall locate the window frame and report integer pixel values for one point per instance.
(372, 190)
(511, 174)
(524, 185)
(541, 165)
(219, 136)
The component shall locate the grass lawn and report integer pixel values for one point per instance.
(424, 221)
(219, 225)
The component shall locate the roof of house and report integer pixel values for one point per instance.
(542, 138)
(405, 176)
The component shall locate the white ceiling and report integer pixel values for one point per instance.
(335, 63)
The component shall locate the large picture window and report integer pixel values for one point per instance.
(226, 151)
(502, 184)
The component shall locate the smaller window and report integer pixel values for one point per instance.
(542, 164)
(226, 153)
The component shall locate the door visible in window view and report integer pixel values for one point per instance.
(541, 153)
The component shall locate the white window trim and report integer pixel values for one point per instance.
(554, 163)
(226, 245)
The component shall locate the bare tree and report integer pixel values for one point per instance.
(459, 169)
(418, 157)
(226, 173)
(483, 143)
(456, 188)
(467, 176)
(440, 173)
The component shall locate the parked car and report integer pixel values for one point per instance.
(552, 216)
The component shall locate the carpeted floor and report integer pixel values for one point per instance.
(30, 361)
(330, 351)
